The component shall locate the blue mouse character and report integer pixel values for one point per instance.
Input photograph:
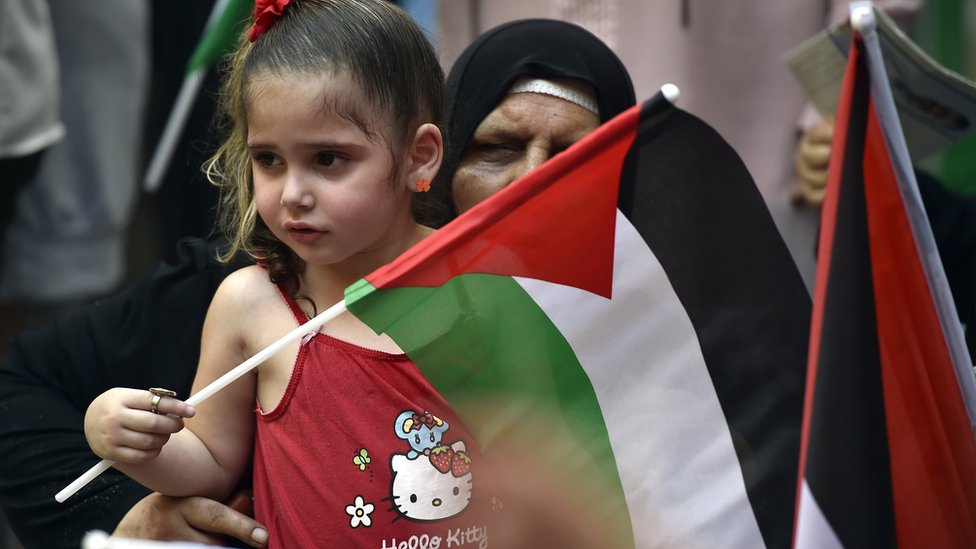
(422, 431)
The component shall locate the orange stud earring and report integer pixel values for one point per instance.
(423, 185)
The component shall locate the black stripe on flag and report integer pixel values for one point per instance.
(853, 487)
(707, 224)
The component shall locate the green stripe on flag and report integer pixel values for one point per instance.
(492, 353)
(221, 37)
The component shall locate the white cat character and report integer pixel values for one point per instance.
(432, 489)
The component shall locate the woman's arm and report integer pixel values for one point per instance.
(147, 335)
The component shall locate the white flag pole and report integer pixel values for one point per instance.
(863, 20)
(312, 325)
(174, 127)
(178, 116)
(671, 93)
(97, 539)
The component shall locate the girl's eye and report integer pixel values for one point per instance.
(327, 159)
(266, 159)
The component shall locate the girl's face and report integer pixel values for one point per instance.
(320, 184)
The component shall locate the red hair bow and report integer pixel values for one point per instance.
(266, 12)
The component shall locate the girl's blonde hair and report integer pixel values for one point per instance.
(380, 48)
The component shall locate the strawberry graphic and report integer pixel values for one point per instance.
(441, 458)
(460, 464)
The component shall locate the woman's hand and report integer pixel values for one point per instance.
(121, 426)
(812, 159)
(196, 519)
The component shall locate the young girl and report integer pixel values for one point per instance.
(333, 105)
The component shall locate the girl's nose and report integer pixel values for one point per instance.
(296, 194)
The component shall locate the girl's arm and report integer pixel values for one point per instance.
(209, 457)
(146, 335)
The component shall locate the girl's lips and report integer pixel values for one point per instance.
(305, 235)
(298, 226)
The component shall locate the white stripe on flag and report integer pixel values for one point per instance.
(812, 529)
(679, 470)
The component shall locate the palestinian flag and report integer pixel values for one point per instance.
(227, 20)
(631, 313)
(889, 455)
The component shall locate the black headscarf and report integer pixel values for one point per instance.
(540, 48)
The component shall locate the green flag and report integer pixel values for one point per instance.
(221, 33)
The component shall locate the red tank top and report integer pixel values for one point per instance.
(363, 452)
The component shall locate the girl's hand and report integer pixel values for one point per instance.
(120, 426)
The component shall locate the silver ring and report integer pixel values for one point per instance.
(157, 395)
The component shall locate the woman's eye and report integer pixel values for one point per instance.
(497, 153)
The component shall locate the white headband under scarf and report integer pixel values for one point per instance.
(562, 89)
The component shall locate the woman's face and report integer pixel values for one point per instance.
(523, 131)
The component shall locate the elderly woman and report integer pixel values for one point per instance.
(518, 95)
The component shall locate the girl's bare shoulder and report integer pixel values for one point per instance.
(247, 291)
(251, 306)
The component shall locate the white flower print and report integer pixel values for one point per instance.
(359, 512)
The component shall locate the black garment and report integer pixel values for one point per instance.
(185, 203)
(541, 48)
(146, 336)
(15, 173)
(952, 217)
